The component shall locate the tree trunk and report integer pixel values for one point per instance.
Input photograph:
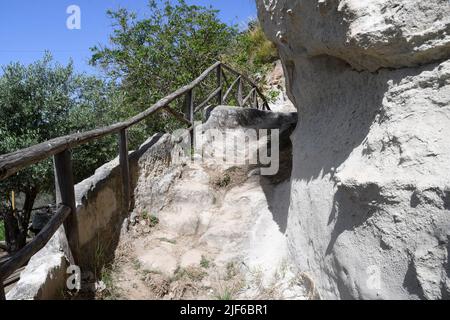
(16, 224)
(11, 231)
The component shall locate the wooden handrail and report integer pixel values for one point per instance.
(13, 162)
(17, 160)
(22, 256)
(248, 96)
(208, 99)
(266, 104)
(61, 147)
(231, 88)
(180, 116)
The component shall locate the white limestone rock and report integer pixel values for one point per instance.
(158, 259)
(369, 213)
(367, 34)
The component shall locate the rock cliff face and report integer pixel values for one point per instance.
(369, 211)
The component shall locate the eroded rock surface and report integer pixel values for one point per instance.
(212, 230)
(369, 212)
(276, 83)
(367, 34)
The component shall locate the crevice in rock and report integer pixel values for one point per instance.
(411, 283)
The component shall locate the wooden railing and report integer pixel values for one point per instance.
(60, 148)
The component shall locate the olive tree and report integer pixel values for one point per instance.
(38, 102)
(153, 56)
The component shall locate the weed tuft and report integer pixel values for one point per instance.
(204, 263)
(224, 181)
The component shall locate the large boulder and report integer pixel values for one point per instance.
(369, 209)
(366, 34)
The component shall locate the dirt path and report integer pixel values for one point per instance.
(215, 240)
(208, 229)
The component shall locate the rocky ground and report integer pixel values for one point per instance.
(219, 236)
(201, 246)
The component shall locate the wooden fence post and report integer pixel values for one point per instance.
(254, 99)
(219, 85)
(239, 93)
(189, 113)
(2, 290)
(125, 169)
(65, 194)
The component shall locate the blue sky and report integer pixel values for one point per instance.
(29, 27)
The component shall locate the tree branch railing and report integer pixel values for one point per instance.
(60, 149)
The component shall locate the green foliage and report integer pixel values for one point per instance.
(2, 231)
(146, 272)
(153, 56)
(96, 106)
(107, 277)
(232, 270)
(111, 291)
(251, 52)
(144, 214)
(272, 95)
(147, 58)
(152, 220)
(33, 100)
(204, 262)
(190, 273)
(42, 101)
(99, 257)
(46, 100)
(225, 295)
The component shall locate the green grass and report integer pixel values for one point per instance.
(204, 263)
(151, 271)
(107, 277)
(144, 214)
(111, 292)
(272, 95)
(232, 270)
(191, 273)
(2, 231)
(226, 295)
(99, 257)
(152, 220)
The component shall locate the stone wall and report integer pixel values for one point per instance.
(101, 216)
(369, 213)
